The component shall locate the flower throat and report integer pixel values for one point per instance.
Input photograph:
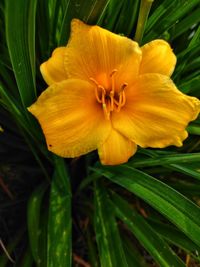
(110, 99)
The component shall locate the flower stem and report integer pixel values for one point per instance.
(145, 7)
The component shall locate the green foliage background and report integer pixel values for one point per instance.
(144, 212)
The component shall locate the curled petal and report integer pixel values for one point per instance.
(157, 57)
(156, 112)
(95, 52)
(72, 121)
(117, 149)
(53, 69)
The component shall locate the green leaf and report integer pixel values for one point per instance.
(27, 260)
(174, 206)
(88, 11)
(147, 237)
(20, 15)
(60, 220)
(33, 221)
(187, 55)
(126, 21)
(133, 256)
(190, 86)
(195, 39)
(163, 160)
(107, 235)
(44, 34)
(174, 236)
(187, 23)
(166, 15)
(187, 189)
(92, 251)
(43, 235)
(185, 169)
(112, 12)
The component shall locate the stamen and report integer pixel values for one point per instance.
(112, 92)
(112, 101)
(106, 111)
(103, 100)
(97, 95)
(113, 72)
(119, 103)
(103, 91)
(123, 99)
(113, 81)
(94, 81)
(116, 102)
(123, 87)
(109, 99)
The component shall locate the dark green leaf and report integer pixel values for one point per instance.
(87, 11)
(33, 213)
(60, 221)
(163, 160)
(147, 237)
(175, 237)
(166, 15)
(108, 240)
(20, 15)
(174, 206)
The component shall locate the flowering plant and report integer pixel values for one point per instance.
(104, 90)
(89, 84)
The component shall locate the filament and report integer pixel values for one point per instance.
(111, 100)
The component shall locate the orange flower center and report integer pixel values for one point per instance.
(110, 99)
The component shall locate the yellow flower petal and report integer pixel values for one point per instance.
(72, 121)
(117, 149)
(95, 52)
(157, 57)
(53, 69)
(156, 113)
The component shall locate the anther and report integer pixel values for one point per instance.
(110, 100)
(124, 85)
(113, 72)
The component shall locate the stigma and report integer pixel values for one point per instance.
(111, 99)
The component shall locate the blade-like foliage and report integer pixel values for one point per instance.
(153, 243)
(21, 44)
(34, 226)
(181, 211)
(108, 240)
(59, 228)
(110, 231)
(88, 11)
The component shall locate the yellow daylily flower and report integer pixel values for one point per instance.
(107, 93)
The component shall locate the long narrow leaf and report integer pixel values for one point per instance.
(148, 238)
(108, 240)
(88, 11)
(178, 209)
(174, 236)
(20, 15)
(59, 230)
(33, 214)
